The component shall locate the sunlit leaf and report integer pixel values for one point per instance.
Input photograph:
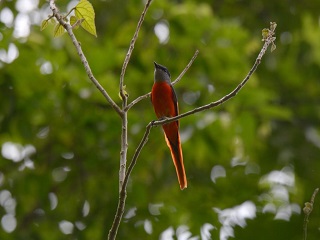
(58, 30)
(44, 24)
(124, 92)
(84, 10)
(75, 22)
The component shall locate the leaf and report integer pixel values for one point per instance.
(265, 34)
(124, 92)
(44, 24)
(58, 30)
(84, 10)
(74, 21)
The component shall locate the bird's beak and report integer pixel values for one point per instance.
(156, 65)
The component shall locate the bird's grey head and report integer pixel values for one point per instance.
(161, 73)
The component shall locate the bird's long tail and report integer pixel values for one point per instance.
(173, 141)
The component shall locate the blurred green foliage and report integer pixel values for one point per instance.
(251, 163)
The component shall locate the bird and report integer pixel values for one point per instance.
(165, 104)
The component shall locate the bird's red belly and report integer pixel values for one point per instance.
(163, 100)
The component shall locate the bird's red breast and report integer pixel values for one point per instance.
(164, 100)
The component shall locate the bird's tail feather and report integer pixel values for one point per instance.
(177, 157)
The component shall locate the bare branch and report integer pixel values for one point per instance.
(186, 68)
(131, 47)
(123, 192)
(124, 149)
(84, 61)
(173, 83)
(267, 41)
(123, 176)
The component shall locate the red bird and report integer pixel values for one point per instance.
(164, 101)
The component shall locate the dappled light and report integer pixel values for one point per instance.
(53, 200)
(86, 209)
(10, 55)
(8, 222)
(60, 174)
(279, 186)
(236, 216)
(147, 226)
(16, 153)
(66, 227)
(285, 177)
(46, 68)
(154, 209)
(162, 31)
(8, 203)
(130, 213)
(217, 172)
(205, 231)
(167, 234)
(6, 16)
(313, 136)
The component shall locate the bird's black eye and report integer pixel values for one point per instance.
(166, 70)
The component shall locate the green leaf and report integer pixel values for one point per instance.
(73, 20)
(58, 30)
(44, 24)
(84, 10)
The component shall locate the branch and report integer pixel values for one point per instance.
(186, 68)
(269, 39)
(123, 194)
(123, 176)
(129, 53)
(173, 83)
(84, 61)
(307, 210)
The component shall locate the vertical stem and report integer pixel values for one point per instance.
(124, 146)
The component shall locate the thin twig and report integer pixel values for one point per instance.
(124, 96)
(307, 211)
(84, 61)
(186, 68)
(138, 99)
(123, 194)
(131, 47)
(227, 97)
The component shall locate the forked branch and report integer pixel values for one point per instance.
(131, 47)
(138, 99)
(68, 27)
(268, 40)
